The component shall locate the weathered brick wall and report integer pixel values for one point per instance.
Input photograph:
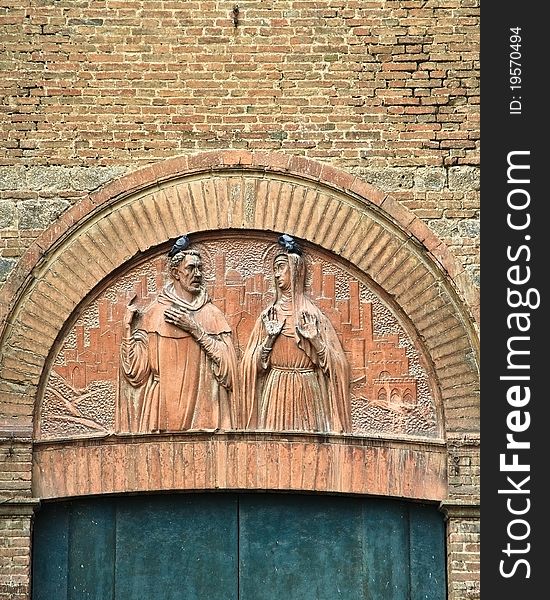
(15, 549)
(463, 524)
(463, 547)
(384, 89)
(463, 518)
(14, 556)
(16, 467)
(463, 470)
(16, 508)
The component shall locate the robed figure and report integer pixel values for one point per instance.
(294, 372)
(178, 357)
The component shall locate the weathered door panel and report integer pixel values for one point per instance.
(303, 547)
(427, 543)
(177, 548)
(238, 547)
(386, 550)
(91, 553)
(50, 565)
(137, 548)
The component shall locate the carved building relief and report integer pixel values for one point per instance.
(267, 338)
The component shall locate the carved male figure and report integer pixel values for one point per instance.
(179, 356)
(294, 371)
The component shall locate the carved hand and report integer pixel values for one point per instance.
(308, 326)
(182, 319)
(131, 310)
(272, 326)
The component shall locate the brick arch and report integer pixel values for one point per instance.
(260, 191)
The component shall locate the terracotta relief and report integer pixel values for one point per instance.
(295, 374)
(178, 356)
(238, 333)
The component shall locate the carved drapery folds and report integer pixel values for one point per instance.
(294, 373)
(177, 357)
(239, 332)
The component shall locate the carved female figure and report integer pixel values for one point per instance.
(295, 374)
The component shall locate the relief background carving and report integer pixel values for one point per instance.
(390, 388)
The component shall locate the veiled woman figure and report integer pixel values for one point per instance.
(295, 374)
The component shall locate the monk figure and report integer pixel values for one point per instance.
(178, 356)
(295, 374)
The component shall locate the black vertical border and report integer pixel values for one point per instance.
(504, 131)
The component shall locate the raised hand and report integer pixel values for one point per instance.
(272, 325)
(131, 311)
(308, 326)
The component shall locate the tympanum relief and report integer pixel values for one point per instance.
(249, 332)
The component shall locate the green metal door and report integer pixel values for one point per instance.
(238, 547)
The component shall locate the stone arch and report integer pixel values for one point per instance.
(267, 192)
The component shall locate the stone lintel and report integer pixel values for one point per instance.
(200, 461)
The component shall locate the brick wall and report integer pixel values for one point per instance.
(463, 526)
(15, 549)
(383, 89)
(16, 461)
(14, 556)
(463, 547)
(386, 90)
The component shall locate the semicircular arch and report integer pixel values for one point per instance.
(237, 191)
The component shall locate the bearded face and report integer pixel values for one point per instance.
(189, 275)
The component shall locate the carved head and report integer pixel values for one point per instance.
(289, 266)
(281, 272)
(289, 271)
(186, 271)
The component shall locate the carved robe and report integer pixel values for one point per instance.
(179, 383)
(297, 388)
